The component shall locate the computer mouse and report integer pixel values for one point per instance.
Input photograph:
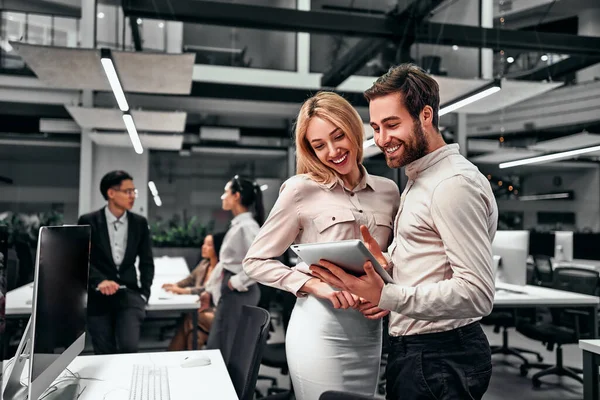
(195, 361)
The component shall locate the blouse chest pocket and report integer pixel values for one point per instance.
(331, 218)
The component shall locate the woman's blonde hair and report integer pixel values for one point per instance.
(336, 110)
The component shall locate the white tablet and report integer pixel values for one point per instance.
(350, 255)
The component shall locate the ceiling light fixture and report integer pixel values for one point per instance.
(152, 188)
(563, 155)
(548, 196)
(133, 134)
(480, 93)
(113, 79)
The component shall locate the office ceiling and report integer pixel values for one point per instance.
(169, 85)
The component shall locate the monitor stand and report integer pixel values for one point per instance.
(14, 390)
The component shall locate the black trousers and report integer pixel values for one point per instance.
(439, 366)
(117, 328)
(227, 317)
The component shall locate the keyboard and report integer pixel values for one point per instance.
(149, 383)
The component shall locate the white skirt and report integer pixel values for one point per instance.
(329, 349)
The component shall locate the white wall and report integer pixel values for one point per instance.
(586, 187)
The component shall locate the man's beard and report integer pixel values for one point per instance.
(411, 151)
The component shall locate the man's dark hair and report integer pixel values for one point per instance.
(418, 89)
(112, 179)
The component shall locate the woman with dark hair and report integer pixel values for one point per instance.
(195, 283)
(234, 289)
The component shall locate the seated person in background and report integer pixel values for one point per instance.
(116, 302)
(195, 284)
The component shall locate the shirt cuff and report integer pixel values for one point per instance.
(390, 264)
(237, 284)
(391, 298)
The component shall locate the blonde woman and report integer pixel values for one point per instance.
(329, 345)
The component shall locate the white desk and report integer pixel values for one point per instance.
(112, 375)
(591, 360)
(19, 301)
(508, 295)
(514, 296)
(170, 266)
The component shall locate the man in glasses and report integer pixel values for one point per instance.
(116, 301)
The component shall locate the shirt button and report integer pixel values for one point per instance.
(333, 218)
(360, 211)
(352, 194)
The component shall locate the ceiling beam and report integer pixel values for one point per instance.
(135, 34)
(557, 70)
(374, 26)
(367, 48)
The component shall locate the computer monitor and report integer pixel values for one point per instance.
(3, 279)
(513, 249)
(55, 333)
(563, 246)
(542, 244)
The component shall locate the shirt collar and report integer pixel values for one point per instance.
(111, 219)
(416, 167)
(246, 216)
(365, 181)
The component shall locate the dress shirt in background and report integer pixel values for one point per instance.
(117, 234)
(237, 241)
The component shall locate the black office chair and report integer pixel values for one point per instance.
(274, 355)
(12, 270)
(26, 262)
(568, 325)
(247, 350)
(335, 395)
(505, 319)
(543, 272)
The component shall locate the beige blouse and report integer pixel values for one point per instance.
(309, 212)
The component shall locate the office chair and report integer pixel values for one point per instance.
(248, 345)
(335, 395)
(26, 263)
(12, 270)
(542, 275)
(274, 355)
(568, 325)
(504, 319)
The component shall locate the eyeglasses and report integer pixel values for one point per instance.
(128, 192)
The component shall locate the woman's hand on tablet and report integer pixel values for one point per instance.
(371, 311)
(321, 290)
(372, 245)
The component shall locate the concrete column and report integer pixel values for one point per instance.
(108, 159)
(589, 25)
(487, 55)
(461, 133)
(303, 43)
(174, 36)
(291, 161)
(88, 40)
(96, 161)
